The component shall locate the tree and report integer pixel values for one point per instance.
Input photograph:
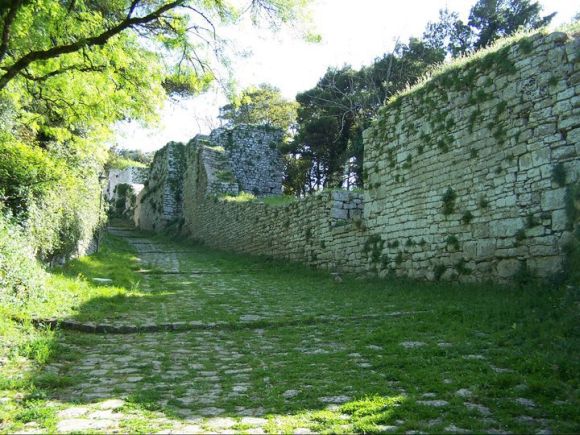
(493, 19)
(70, 69)
(263, 105)
(333, 115)
(74, 67)
(36, 31)
(488, 21)
(449, 34)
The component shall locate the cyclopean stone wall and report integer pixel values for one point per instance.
(469, 174)
(254, 157)
(160, 202)
(322, 230)
(130, 175)
(472, 175)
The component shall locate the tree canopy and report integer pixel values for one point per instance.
(333, 115)
(70, 69)
(328, 147)
(488, 21)
(262, 105)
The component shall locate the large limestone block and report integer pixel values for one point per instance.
(508, 268)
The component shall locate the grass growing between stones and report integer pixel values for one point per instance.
(288, 349)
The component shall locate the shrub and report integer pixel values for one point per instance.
(20, 273)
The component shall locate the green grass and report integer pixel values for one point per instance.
(279, 200)
(241, 197)
(307, 333)
(123, 163)
(271, 200)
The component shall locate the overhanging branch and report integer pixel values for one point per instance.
(99, 40)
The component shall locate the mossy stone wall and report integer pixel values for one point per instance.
(467, 175)
(473, 175)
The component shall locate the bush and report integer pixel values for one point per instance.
(20, 274)
(24, 172)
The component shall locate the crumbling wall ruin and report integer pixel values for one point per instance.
(472, 175)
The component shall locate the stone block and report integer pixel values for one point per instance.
(553, 199)
(485, 248)
(559, 220)
(506, 227)
(339, 213)
(544, 267)
(507, 268)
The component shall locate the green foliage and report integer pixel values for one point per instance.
(448, 200)
(520, 236)
(453, 242)
(532, 221)
(225, 176)
(461, 268)
(483, 202)
(438, 271)
(526, 45)
(467, 217)
(25, 172)
(572, 259)
(399, 258)
(333, 115)
(488, 21)
(524, 277)
(572, 205)
(373, 247)
(262, 105)
(21, 277)
(241, 197)
(278, 200)
(121, 163)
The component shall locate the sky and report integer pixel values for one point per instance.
(353, 32)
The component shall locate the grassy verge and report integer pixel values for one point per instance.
(61, 292)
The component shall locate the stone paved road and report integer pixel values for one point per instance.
(243, 376)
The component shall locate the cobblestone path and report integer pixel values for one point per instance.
(274, 356)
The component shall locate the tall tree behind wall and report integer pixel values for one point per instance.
(261, 105)
(333, 115)
(488, 21)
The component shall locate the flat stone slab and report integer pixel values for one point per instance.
(463, 392)
(254, 421)
(334, 399)
(483, 410)
(220, 423)
(433, 403)
(81, 424)
(525, 402)
(289, 394)
(412, 344)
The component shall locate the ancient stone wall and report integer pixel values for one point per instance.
(254, 157)
(160, 202)
(130, 175)
(468, 174)
(472, 175)
(323, 230)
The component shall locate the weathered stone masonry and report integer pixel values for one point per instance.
(160, 202)
(470, 176)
